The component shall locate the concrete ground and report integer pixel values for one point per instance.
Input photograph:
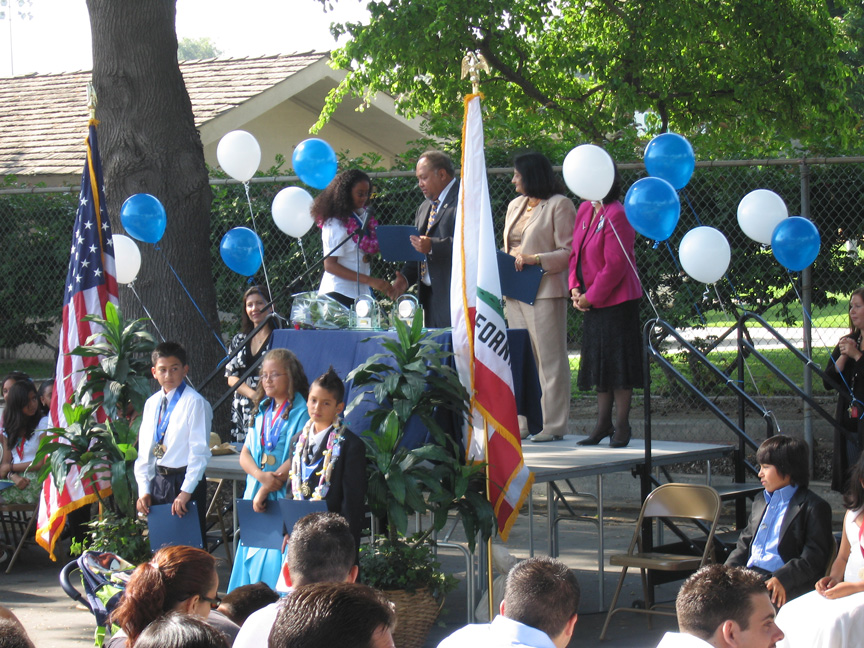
(53, 620)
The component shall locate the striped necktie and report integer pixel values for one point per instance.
(433, 212)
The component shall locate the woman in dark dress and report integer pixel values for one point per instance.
(846, 371)
(256, 308)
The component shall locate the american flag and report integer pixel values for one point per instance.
(90, 284)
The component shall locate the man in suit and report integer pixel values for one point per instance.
(788, 539)
(436, 221)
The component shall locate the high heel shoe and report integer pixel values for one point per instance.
(621, 441)
(597, 437)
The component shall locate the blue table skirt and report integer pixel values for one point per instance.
(345, 350)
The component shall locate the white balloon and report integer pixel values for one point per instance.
(127, 258)
(759, 212)
(705, 254)
(292, 211)
(239, 154)
(589, 172)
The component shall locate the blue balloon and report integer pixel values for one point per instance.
(242, 251)
(653, 208)
(670, 156)
(795, 243)
(314, 161)
(143, 216)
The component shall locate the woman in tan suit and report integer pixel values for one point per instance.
(539, 231)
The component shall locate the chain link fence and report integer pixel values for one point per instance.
(34, 234)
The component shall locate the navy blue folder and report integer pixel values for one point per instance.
(293, 510)
(263, 530)
(394, 243)
(518, 285)
(166, 530)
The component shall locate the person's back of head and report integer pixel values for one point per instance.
(542, 593)
(242, 601)
(321, 549)
(716, 594)
(324, 615)
(176, 630)
(789, 455)
(12, 634)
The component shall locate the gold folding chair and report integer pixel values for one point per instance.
(673, 502)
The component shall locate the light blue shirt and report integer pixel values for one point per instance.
(763, 551)
(501, 633)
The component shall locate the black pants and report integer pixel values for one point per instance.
(164, 488)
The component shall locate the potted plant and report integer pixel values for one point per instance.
(102, 429)
(413, 380)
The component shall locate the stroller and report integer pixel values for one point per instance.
(104, 577)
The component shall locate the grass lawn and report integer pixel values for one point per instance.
(36, 369)
(831, 316)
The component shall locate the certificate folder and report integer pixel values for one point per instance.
(394, 243)
(293, 510)
(167, 530)
(263, 530)
(518, 285)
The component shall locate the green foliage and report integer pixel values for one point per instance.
(102, 422)
(191, 49)
(733, 77)
(412, 380)
(409, 565)
(118, 534)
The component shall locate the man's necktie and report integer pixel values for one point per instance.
(162, 408)
(433, 212)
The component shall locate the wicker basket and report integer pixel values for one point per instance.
(415, 614)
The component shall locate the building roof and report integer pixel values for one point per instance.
(44, 118)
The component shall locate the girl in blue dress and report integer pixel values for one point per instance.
(280, 412)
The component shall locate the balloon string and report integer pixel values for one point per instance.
(255, 227)
(302, 251)
(679, 269)
(146, 312)
(633, 268)
(180, 281)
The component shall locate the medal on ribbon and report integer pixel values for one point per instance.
(161, 427)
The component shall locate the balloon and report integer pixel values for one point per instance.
(653, 208)
(759, 212)
(239, 154)
(705, 254)
(242, 251)
(127, 258)
(795, 243)
(589, 172)
(670, 156)
(314, 161)
(291, 211)
(143, 216)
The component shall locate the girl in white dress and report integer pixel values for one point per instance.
(833, 615)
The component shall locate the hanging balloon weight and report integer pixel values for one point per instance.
(314, 161)
(670, 156)
(291, 211)
(653, 208)
(127, 258)
(589, 172)
(239, 155)
(705, 254)
(143, 216)
(795, 243)
(759, 212)
(242, 251)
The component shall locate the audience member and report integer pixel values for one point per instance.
(12, 633)
(539, 609)
(321, 550)
(245, 600)
(46, 391)
(177, 630)
(23, 429)
(325, 615)
(723, 607)
(788, 539)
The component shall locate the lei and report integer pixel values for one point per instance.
(331, 454)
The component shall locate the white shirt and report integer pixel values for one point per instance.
(31, 445)
(501, 633)
(682, 640)
(349, 256)
(187, 439)
(255, 630)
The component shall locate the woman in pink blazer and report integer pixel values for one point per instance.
(604, 284)
(538, 231)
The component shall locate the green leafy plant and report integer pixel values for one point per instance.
(413, 380)
(102, 421)
(118, 534)
(407, 565)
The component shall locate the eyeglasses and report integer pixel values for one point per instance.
(214, 602)
(272, 376)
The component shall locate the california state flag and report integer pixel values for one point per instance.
(480, 334)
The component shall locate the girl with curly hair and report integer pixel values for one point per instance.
(340, 211)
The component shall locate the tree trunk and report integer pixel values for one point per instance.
(149, 144)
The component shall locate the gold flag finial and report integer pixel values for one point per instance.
(91, 99)
(472, 64)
